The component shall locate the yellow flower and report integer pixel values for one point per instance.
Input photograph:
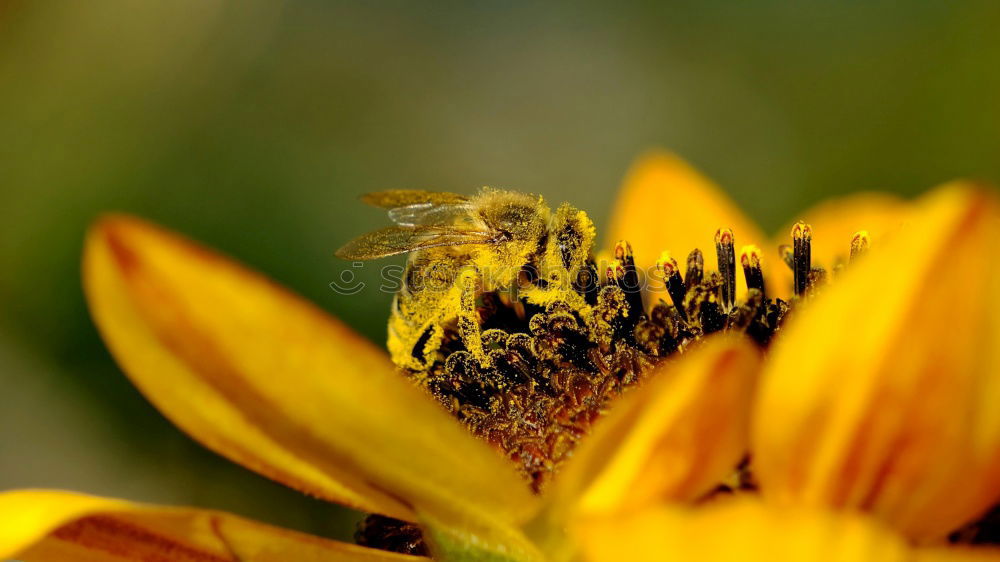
(876, 426)
(869, 419)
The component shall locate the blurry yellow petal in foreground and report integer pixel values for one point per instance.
(666, 205)
(834, 223)
(882, 394)
(53, 526)
(273, 383)
(674, 438)
(742, 529)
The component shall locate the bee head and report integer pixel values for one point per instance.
(518, 222)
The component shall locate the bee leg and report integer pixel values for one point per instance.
(413, 345)
(397, 343)
(468, 317)
(426, 347)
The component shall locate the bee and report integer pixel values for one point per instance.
(461, 247)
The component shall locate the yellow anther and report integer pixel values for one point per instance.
(623, 250)
(751, 262)
(750, 256)
(667, 264)
(724, 236)
(801, 256)
(801, 231)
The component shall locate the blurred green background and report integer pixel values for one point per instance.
(252, 125)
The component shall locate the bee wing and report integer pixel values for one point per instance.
(412, 207)
(433, 214)
(422, 208)
(394, 198)
(394, 240)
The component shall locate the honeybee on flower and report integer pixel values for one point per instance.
(461, 247)
(871, 422)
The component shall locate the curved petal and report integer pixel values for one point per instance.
(834, 222)
(55, 526)
(882, 393)
(674, 438)
(746, 530)
(268, 380)
(666, 205)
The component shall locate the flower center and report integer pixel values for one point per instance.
(548, 373)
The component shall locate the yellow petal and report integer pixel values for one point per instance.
(674, 438)
(738, 530)
(666, 205)
(267, 379)
(834, 222)
(882, 394)
(54, 526)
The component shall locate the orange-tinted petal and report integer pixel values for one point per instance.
(54, 526)
(674, 438)
(666, 205)
(270, 381)
(834, 222)
(743, 529)
(882, 393)
(957, 554)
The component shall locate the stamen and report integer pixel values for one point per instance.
(695, 269)
(859, 244)
(725, 248)
(710, 315)
(619, 302)
(673, 281)
(801, 256)
(616, 273)
(787, 256)
(587, 282)
(629, 282)
(817, 278)
(556, 361)
(750, 260)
